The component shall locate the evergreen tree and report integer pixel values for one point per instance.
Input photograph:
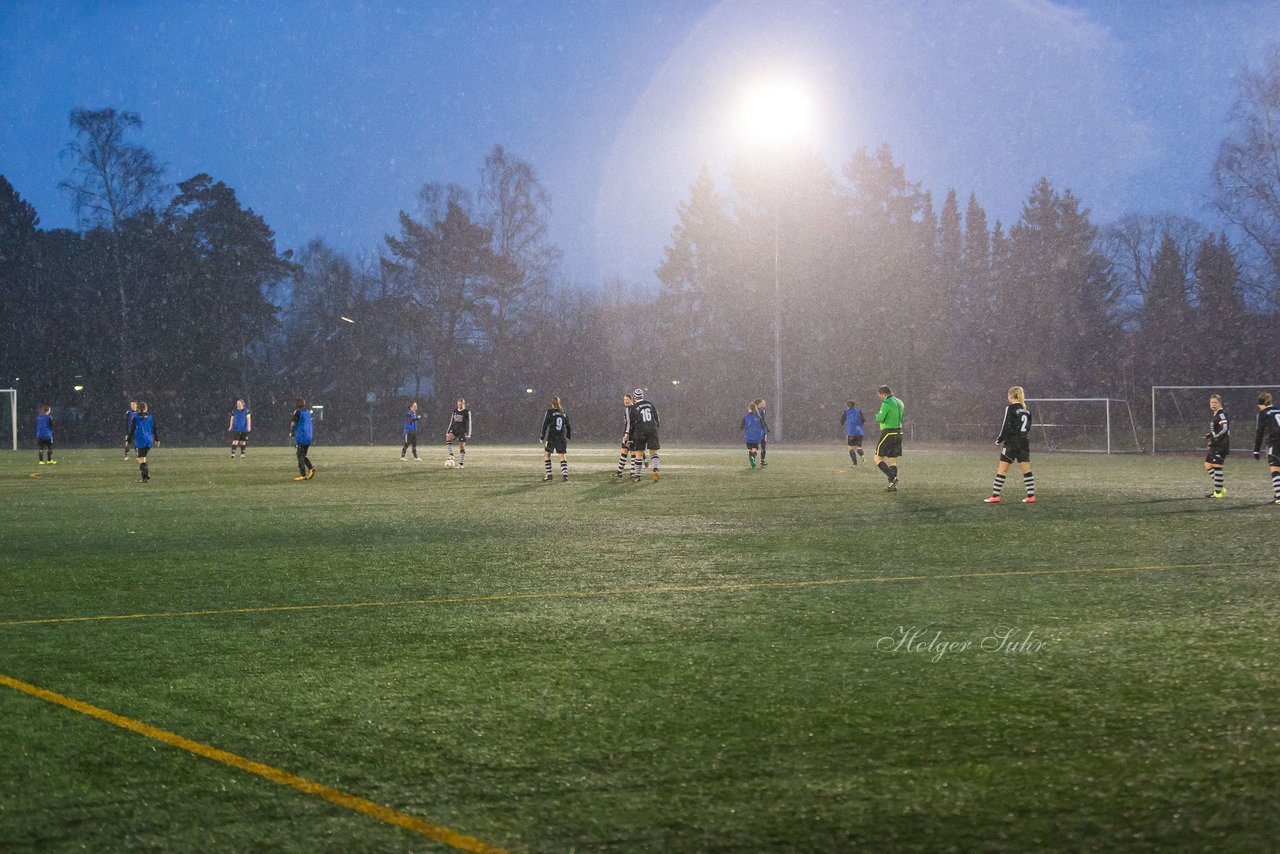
(1165, 316)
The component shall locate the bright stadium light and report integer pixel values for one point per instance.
(776, 111)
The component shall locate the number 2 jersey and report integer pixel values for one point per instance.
(1016, 429)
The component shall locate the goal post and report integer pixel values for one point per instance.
(1094, 425)
(1180, 413)
(12, 419)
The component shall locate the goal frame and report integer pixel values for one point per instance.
(1159, 388)
(1106, 404)
(13, 412)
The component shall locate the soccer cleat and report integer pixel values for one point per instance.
(402, 459)
(311, 473)
(655, 477)
(301, 477)
(893, 486)
(53, 462)
(42, 463)
(546, 478)
(635, 478)
(994, 499)
(1222, 493)
(617, 475)
(144, 480)
(1030, 499)
(763, 464)
(565, 478)
(417, 459)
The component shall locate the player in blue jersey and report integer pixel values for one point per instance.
(764, 422)
(143, 436)
(44, 436)
(752, 427)
(130, 414)
(555, 438)
(411, 432)
(239, 426)
(301, 432)
(854, 431)
(459, 431)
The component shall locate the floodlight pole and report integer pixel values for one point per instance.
(776, 430)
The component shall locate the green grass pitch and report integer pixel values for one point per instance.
(712, 662)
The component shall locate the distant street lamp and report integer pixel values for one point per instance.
(776, 114)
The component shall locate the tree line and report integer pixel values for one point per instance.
(179, 295)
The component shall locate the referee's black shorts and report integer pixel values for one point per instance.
(890, 444)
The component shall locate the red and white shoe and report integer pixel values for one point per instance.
(1030, 499)
(995, 499)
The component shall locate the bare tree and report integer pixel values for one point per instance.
(1248, 167)
(111, 179)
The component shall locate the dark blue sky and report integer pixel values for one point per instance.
(327, 117)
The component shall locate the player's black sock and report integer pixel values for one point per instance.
(622, 462)
(547, 465)
(853, 457)
(893, 472)
(142, 467)
(1029, 481)
(998, 486)
(884, 467)
(1275, 484)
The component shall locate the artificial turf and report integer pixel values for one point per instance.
(710, 662)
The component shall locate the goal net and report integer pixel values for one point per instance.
(9, 417)
(1180, 414)
(1098, 425)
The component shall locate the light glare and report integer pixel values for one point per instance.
(774, 112)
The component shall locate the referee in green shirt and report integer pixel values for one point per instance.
(889, 448)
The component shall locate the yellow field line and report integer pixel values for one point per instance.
(275, 775)
(632, 591)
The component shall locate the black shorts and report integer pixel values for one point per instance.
(242, 436)
(855, 441)
(450, 437)
(1215, 457)
(44, 443)
(1273, 459)
(1016, 452)
(557, 445)
(753, 446)
(411, 439)
(645, 440)
(142, 452)
(890, 444)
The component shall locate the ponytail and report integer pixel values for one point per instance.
(1018, 394)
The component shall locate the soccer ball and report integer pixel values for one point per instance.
(448, 463)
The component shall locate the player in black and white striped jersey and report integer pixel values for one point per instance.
(1269, 430)
(1015, 437)
(1218, 446)
(642, 428)
(625, 451)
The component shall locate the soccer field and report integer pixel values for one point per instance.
(396, 656)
